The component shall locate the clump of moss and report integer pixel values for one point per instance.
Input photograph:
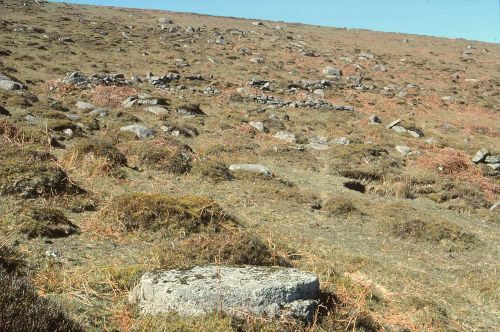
(431, 231)
(154, 212)
(61, 124)
(166, 154)
(212, 170)
(30, 173)
(45, 222)
(339, 205)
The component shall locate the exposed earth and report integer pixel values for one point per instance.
(141, 140)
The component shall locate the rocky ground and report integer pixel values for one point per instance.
(136, 140)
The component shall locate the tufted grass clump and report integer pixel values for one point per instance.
(29, 173)
(212, 170)
(157, 211)
(339, 205)
(45, 222)
(97, 157)
(163, 154)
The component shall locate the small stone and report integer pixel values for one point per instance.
(257, 23)
(374, 119)
(82, 105)
(412, 133)
(165, 20)
(365, 56)
(253, 168)
(495, 207)
(257, 60)
(285, 136)
(494, 167)
(141, 132)
(68, 132)
(158, 110)
(190, 29)
(403, 150)
(66, 40)
(258, 125)
(380, 67)
(342, 141)
(318, 143)
(332, 72)
(99, 112)
(480, 156)
(394, 123)
(399, 129)
(492, 159)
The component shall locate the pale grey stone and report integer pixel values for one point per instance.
(253, 168)
(285, 136)
(480, 156)
(141, 132)
(270, 292)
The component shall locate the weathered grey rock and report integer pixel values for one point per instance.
(342, 141)
(404, 150)
(318, 143)
(494, 167)
(271, 292)
(380, 67)
(158, 110)
(140, 131)
(374, 119)
(190, 111)
(257, 23)
(492, 159)
(332, 72)
(10, 85)
(285, 136)
(365, 56)
(253, 168)
(258, 125)
(495, 207)
(257, 60)
(399, 129)
(394, 123)
(480, 156)
(84, 106)
(99, 112)
(190, 29)
(66, 40)
(412, 133)
(164, 20)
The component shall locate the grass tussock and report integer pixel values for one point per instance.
(154, 212)
(163, 154)
(96, 157)
(339, 205)
(28, 172)
(212, 170)
(43, 222)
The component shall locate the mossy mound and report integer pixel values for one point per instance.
(29, 173)
(98, 149)
(154, 212)
(212, 170)
(339, 205)
(432, 231)
(165, 154)
(45, 222)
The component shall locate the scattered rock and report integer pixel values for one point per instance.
(332, 72)
(84, 106)
(480, 156)
(373, 119)
(165, 20)
(285, 136)
(380, 67)
(190, 110)
(65, 40)
(318, 143)
(6, 83)
(271, 292)
(404, 150)
(258, 125)
(257, 60)
(257, 23)
(253, 168)
(342, 141)
(394, 123)
(158, 110)
(140, 131)
(495, 207)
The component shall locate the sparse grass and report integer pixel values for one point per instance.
(111, 96)
(42, 222)
(153, 212)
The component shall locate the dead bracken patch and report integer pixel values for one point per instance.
(154, 212)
